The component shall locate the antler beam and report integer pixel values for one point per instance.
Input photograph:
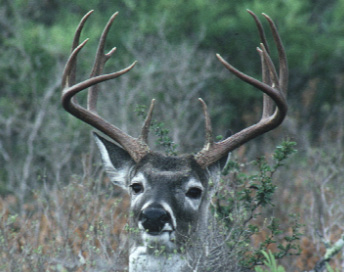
(136, 147)
(274, 87)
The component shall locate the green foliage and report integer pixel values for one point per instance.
(330, 269)
(240, 205)
(271, 263)
(163, 138)
(282, 152)
(162, 134)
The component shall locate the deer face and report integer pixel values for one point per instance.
(169, 195)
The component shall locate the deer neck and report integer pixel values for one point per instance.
(142, 259)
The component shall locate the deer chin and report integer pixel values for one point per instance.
(166, 237)
(164, 241)
(163, 236)
(161, 233)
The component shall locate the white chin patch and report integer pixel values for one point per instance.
(164, 240)
(165, 237)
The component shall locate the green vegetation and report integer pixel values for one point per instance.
(243, 195)
(271, 264)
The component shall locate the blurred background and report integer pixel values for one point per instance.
(44, 149)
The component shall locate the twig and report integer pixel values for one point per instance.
(329, 254)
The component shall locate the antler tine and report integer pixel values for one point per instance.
(269, 66)
(283, 61)
(283, 68)
(68, 77)
(273, 86)
(99, 64)
(208, 127)
(69, 73)
(75, 44)
(268, 105)
(135, 147)
(272, 92)
(260, 30)
(147, 123)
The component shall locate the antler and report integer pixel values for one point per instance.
(136, 147)
(274, 87)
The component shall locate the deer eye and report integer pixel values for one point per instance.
(194, 193)
(137, 188)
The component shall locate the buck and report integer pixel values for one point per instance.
(170, 195)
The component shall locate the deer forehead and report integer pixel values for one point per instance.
(156, 178)
(157, 169)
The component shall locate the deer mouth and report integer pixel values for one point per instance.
(157, 233)
(166, 233)
(164, 238)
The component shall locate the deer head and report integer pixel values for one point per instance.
(170, 195)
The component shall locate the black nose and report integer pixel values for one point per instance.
(154, 218)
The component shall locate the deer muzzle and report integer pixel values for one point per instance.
(155, 220)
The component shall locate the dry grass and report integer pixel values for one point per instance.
(79, 227)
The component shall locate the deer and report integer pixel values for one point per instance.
(170, 195)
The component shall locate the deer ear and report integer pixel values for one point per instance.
(116, 161)
(224, 160)
(217, 168)
(214, 172)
